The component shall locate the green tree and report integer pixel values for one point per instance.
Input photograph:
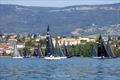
(81, 49)
(42, 42)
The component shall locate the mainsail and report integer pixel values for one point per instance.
(109, 48)
(16, 52)
(62, 50)
(59, 49)
(25, 52)
(53, 53)
(102, 51)
(49, 44)
(65, 50)
(36, 52)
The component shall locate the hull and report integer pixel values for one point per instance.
(102, 57)
(17, 57)
(63, 57)
(54, 58)
(26, 57)
(35, 57)
(99, 57)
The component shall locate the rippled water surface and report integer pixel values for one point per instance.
(67, 69)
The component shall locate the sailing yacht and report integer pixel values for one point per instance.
(26, 52)
(103, 51)
(109, 48)
(16, 53)
(59, 50)
(52, 53)
(36, 52)
(65, 51)
(63, 55)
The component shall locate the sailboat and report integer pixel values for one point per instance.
(102, 51)
(26, 52)
(65, 51)
(51, 53)
(36, 52)
(16, 53)
(63, 54)
(60, 50)
(109, 48)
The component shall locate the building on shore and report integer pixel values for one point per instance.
(6, 48)
(74, 41)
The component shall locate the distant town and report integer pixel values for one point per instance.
(73, 43)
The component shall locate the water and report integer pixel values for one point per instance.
(67, 69)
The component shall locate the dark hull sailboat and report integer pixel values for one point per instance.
(103, 51)
(26, 53)
(52, 53)
(49, 45)
(36, 52)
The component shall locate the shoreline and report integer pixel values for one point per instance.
(5, 56)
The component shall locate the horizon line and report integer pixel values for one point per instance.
(61, 6)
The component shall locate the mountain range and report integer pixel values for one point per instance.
(86, 19)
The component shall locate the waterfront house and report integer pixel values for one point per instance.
(20, 45)
(74, 41)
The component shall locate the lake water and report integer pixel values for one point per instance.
(67, 69)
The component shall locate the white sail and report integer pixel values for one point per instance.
(16, 53)
(63, 55)
(109, 48)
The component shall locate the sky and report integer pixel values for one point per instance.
(57, 3)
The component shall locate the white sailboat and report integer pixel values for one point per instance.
(63, 55)
(51, 57)
(26, 53)
(16, 53)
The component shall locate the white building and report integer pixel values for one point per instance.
(74, 41)
(20, 45)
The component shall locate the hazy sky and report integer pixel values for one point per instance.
(57, 3)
